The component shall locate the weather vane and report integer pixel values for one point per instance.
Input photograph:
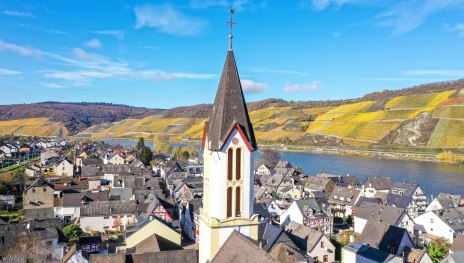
(231, 23)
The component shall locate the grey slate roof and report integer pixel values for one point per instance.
(75, 199)
(107, 208)
(378, 212)
(379, 183)
(174, 256)
(123, 193)
(456, 257)
(382, 236)
(458, 243)
(454, 218)
(229, 109)
(303, 236)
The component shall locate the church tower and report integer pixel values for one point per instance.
(229, 146)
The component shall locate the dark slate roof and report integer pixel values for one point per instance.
(90, 171)
(377, 212)
(382, 236)
(379, 183)
(454, 218)
(282, 252)
(398, 200)
(260, 209)
(238, 248)
(107, 208)
(408, 188)
(229, 108)
(75, 199)
(274, 235)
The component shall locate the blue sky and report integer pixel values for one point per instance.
(162, 54)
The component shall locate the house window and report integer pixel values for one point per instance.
(48, 243)
(2, 239)
(33, 190)
(230, 156)
(322, 244)
(237, 202)
(106, 227)
(316, 259)
(431, 220)
(326, 258)
(229, 202)
(106, 217)
(238, 164)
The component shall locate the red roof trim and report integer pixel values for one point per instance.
(242, 134)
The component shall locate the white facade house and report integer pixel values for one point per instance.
(65, 168)
(263, 170)
(9, 150)
(355, 252)
(376, 212)
(107, 215)
(438, 224)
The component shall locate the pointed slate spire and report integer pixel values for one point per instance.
(229, 109)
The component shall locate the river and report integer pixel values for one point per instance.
(433, 177)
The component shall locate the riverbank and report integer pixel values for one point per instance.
(427, 155)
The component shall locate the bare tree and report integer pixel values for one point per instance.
(269, 157)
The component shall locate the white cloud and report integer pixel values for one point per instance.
(16, 13)
(238, 5)
(166, 19)
(53, 85)
(252, 87)
(117, 33)
(4, 71)
(24, 51)
(151, 47)
(402, 16)
(439, 72)
(458, 28)
(293, 88)
(82, 53)
(95, 43)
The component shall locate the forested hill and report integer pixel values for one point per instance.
(74, 116)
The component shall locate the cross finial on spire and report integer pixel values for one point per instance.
(231, 23)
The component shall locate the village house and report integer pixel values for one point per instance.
(38, 200)
(7, 202)
(274, 236)
(316, 244)
(345, 180)
(107, 215)
(388, 238)
(374, 186)
(445, 201)
(44, 235)
(68, 207)
(355, 252)
(318, 184)
(387, 214)
(445, 223)
(263, 169)
(9, 150)
(342, 200)
(308, 212)
(64, 168)
(190, 219)
(407, 195)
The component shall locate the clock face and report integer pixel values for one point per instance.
(235, 141)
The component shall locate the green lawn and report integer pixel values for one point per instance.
(16, 166)
(8, 213)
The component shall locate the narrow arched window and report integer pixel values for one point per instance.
(238, 164)
(229, 202)
(237, 202)
(230, 158)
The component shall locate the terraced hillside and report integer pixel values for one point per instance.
(42, 127)
(427, 120)
(430, 115)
